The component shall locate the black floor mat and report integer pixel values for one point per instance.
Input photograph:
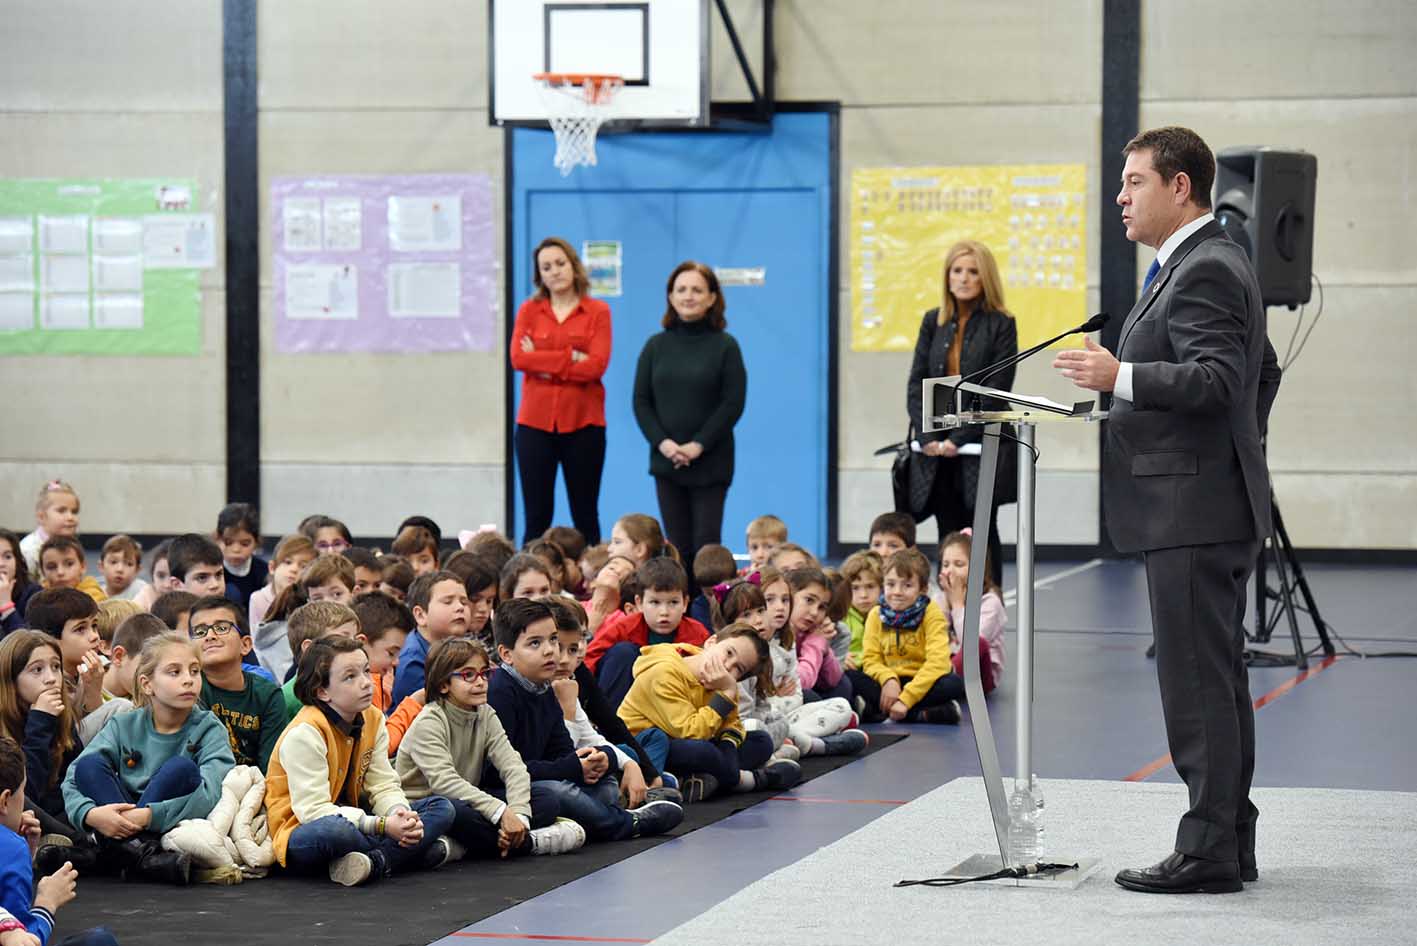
(414, 909)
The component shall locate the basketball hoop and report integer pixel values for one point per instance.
(576, 105)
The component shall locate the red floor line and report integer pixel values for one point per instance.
(1156, 765)
(838, 801)
(544, 938)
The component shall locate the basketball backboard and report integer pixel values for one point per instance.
(659, 47)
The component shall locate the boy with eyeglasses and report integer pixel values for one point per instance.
(250, 706)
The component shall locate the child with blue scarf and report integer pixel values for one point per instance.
(905, 657)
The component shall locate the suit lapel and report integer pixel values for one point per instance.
(1211, 229)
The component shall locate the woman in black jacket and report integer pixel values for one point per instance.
(690, 389)
(970, 331)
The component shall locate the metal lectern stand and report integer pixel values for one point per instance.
(939, 414)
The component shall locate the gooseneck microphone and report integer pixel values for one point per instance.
(1091, 325)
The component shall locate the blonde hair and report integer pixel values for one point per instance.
(113, 612)
(988, 279)
(49, 489)
(314, 620)
(151, 655)
(291, 546)
(767, 527)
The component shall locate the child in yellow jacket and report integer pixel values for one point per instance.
(690, 696)
(905, 657)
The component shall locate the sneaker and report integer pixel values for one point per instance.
(664, 794)
(776, 776)
(858, 703)
(846, 742)
(560, 838)
(656, 817)
(669, 780)
(441, 851)
(789, 752)
(352, 870)
(699, 787)
(946, 715)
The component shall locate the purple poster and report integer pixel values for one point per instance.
(401, 263)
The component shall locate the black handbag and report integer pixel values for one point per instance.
(1006, 473)
(911, 479)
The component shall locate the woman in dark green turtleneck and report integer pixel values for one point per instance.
(690, 388)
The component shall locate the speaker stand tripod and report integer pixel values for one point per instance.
(1292, 583)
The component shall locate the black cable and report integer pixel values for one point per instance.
(1027, 870)
(1305, 340)
(1030, 446)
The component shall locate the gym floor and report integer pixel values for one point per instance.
(1096, 716)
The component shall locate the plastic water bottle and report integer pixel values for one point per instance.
(1023, 826)
(1037, 791)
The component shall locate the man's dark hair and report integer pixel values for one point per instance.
(1175, 150)
(52, 608)
(12, 766)
(315, 665)
(662, 574)
(190, 550)
(241, 516)
(171, 606)
(377, 613)
(514, 617)
(223, 603)
(894, 523)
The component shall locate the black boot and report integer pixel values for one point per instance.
(51, 857)
(142, 858)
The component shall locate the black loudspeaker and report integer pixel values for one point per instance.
(1264, 198)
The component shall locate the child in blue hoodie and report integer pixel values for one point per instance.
(27, 909)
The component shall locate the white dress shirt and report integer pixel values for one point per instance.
(1123, 386)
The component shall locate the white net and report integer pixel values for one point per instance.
(575, 108)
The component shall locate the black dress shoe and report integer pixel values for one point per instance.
(51, 857)
(1180, 873)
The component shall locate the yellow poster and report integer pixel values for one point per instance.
(903, 220)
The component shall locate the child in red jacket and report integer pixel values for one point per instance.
(660, 619)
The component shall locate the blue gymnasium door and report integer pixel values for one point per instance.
(742, 201)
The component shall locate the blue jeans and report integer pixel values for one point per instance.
(97, 779)
(594, 807)
(720, 758)
(97, 936)
(313, 846)
(615, 672)
(655, 743)
(473, 831)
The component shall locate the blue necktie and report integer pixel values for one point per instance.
(1151, 272)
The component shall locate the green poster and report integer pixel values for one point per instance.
(102, 267)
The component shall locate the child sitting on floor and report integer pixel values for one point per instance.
(238, 532)
(953, 577)
(17, 583)
(147, 770)
(119, 563)
(27, 907)
(62, 563)
(327, 578)
(35, 711)
(582, 780)
(333, 801)
(309, 623)
(293, 555)
(438, 601)
(691, 696)
(713, 565)
(123, 652)
(384, 626)
(890, 533)
(446, 751)
(248, 705)
(56, 512)
(68, 615)
(905, 659)
(765, 534)
(660, 619)
(862, 571)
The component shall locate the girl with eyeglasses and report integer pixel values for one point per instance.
(446, 748)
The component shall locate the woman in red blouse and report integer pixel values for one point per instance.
(561, 344)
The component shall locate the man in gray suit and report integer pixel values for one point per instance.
(1185, 483)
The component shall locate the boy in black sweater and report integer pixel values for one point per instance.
(582, 780)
